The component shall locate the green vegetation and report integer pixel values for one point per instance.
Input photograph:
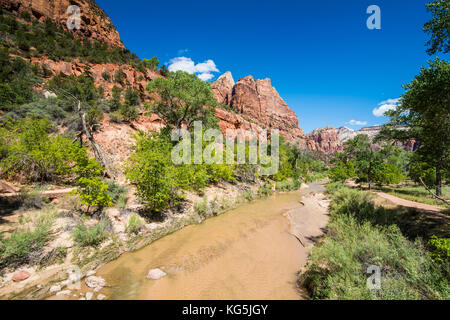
(25, 244)
(39, 39)
(134, 225)
(90, 236)
(184, 99)
(438, 26)
(288, 185)
(360, 235)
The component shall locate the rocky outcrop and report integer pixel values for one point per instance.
(134, 78)
(325, 140)
(257, 106)
(95, 24)
(223, 88)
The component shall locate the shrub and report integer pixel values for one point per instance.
(151, 170)
(106, 76)
(90, 236)
(22, 244)
(117, 193)
(265, 190)
(288, 185)
(440, 249)
(120, 76)
(338, 265)
(134, 225)
(201, 208)
(31, 153)
(248, 195)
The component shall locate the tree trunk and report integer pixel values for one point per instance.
(98, 152)
(439, 178)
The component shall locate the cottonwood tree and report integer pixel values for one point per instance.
(425, 110)
(184, 98)
(438, 26)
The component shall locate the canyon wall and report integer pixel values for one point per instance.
(95, 24)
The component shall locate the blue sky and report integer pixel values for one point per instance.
(323, 60)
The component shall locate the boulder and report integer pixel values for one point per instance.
(156, 274)
(20, 276)
(95, 282)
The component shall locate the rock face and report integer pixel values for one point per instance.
(95, 24)
(223, 88)
(325, 140)
(257, 106)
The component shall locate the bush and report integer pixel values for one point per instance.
(30, 152)
(288, 185)
(117, 193)
(440, 249)
(90, 236)
(134, 225)
(265, 190)
(338, 265)
(22, 244)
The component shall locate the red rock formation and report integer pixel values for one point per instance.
(95, 24)
(325, 140)
(223, 88)
(259, 105)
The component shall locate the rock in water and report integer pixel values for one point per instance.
(95, 282)
(89, 295)
(101, 297)
(156, 274)
(20, 276)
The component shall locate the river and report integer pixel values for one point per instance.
(245, 253)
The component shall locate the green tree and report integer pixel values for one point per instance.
(425, 111)
(184, 99)
(438, 26)
(151, 63)
(342, 171)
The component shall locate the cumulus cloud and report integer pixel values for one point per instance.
(390, 104)
(357, 123)
(203, 70)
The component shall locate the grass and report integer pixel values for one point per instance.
(90, 236)
(25, 245)
(360, 235)
(288, 185)
(416, 193)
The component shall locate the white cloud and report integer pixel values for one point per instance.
(203, 70)
(357, 123)
(390, 104)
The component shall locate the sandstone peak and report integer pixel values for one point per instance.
(226, 77)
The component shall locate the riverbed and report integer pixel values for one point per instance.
(250, 252)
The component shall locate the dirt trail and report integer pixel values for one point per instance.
(408, 203)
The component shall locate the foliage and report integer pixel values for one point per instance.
(424, 111)
(134, 225)
(440, 249)
(90, 236)
(342, 171)
(338, 265)
(438, 26)
(29, 151)
(58, 44)
(184, 99)
(17, 249)
(288, 185)
(117, 193)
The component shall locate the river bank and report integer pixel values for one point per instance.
(251, 252)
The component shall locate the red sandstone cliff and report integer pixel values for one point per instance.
(258, 105)
(95, 24)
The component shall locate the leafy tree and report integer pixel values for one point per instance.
(164, 71)
(438, 26)
(30, 152)
(184, 99)
(342, 171)
(151, 63)
(425, 111)
(150, 169)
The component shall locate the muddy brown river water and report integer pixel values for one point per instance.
(246, 253)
